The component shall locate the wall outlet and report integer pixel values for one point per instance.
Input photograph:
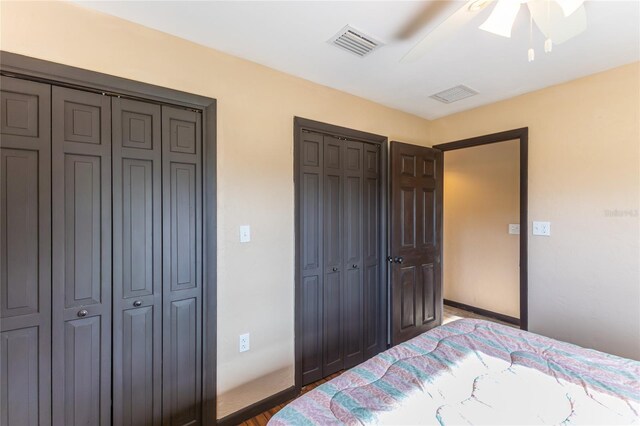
(542, 228)
(244, 342)
(245, 233)
(514, 228)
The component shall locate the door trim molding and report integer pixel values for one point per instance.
(300, 124)
(27, 68)
(522, 134)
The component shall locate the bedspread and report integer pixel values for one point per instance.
(476, 372)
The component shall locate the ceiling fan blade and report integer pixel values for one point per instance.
(502, 18)
(569, 6)
(432, 11)
(448, 27)
(549, 18)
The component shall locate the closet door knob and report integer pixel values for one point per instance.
(399, 259)
(137, 303)
(82, 313)
(334, 269)
(355, 266)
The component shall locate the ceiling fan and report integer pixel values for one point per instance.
(558, 20)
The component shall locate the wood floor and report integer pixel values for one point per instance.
(263, 418)
(449, 314)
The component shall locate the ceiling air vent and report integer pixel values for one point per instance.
(454, 94)
(355, 41)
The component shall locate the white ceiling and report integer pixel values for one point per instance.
(291, 36)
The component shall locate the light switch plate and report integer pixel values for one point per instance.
(245, 233)
(542, 228)
(244, 344)
(514, 228)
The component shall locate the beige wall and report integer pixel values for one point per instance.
(256, 106)
(481, 198)
(584, 161)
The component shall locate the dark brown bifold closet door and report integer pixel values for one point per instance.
(333, 187)
(311, 254)
(374, 323)
(342, 319)
(81, 223)
(182, 266)
(95, 333)
(137, 263)
(25, 253)
(352, 300)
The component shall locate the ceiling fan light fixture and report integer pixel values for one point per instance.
(502, 18)
(531, 54)
(548, 45)
(569, 6)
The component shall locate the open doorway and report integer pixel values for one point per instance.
(485, 226)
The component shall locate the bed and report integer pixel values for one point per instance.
(476, 372)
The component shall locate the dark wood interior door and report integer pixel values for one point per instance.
(352, 289)
(81, 268)
(25, 252)
(137, 263)
(181, 266)
(310, 256)
(416, 240)
(342, 319)
(101, 269)
(333, 323)
(373, 287)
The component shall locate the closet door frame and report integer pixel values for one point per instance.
(303, 124)
(27, 68)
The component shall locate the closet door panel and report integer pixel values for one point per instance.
(310, 259)
(372, 287)
(136, 397)
(81, 215)
(138, 185)
(82, 393)
(183, 361)
(311, 329)
(21, 103)
(372, 311)
(82, 232)
(20, 232)
(333, 333)
(353, 213)
(137, 261)
(183, 226)
(19, 357)
(352, 292)
(182, 266)
(25, 252)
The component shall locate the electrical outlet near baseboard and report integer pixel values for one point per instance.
(245, 344)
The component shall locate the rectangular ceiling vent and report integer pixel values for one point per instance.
(355, 41)
(454, 94)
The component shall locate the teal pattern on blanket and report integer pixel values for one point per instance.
(476, 372)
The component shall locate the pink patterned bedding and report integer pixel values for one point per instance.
(476, 372)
